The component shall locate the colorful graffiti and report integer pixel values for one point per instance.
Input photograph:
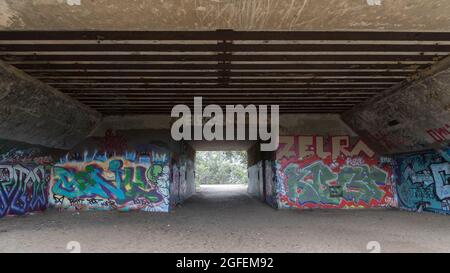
(131, 182)
(314, 172)
(23, 189)
(424, 182)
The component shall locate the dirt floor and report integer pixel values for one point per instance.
(226, 219)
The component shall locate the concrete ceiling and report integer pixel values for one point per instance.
(148, 72)
(402, 15)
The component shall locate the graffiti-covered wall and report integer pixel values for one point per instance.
(23, 189)
(118, 171)
(256, 172)
(331, 172)
(123, 183)
(112, 170)
(24, 178)
(424, 181)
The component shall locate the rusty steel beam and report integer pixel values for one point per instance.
(258, 74)
(106, 80)
(229, 91)
(225, 34)
(221, 86)
(196, 66)
(222, 100)
(217, 57)
(127, 47)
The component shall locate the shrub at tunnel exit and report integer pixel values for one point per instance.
(221, 167)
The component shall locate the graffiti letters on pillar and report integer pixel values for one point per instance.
(424, 182)
(314, 172)
(23, 189)
(116, 183)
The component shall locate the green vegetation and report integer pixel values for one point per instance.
(221, 168)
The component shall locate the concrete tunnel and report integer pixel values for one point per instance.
(86, 92)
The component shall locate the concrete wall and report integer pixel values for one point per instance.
(270, 183)
(123, 170)
(155, 129)
(24, 177)
(35, 113)
(127, 169)
(414, 117)
(132, 163)
(324, 164)
(36, 122)
(133, 122)
(183, 182)
(183, 155)
(423, 181)
(255, 181)
(261, 182)
(314, 124)
(314, 161)
(320, 163)
(411, 123)
(255, 172)
(331, 172)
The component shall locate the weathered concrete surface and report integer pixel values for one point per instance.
(411, 118)
(133, 122)
(313, 124)
(216, 14)
(290, 124)
(35, 113)
(163, 123)
(227, 220)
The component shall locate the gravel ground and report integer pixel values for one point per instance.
(226, 219)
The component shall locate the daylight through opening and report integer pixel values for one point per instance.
(221, 170)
